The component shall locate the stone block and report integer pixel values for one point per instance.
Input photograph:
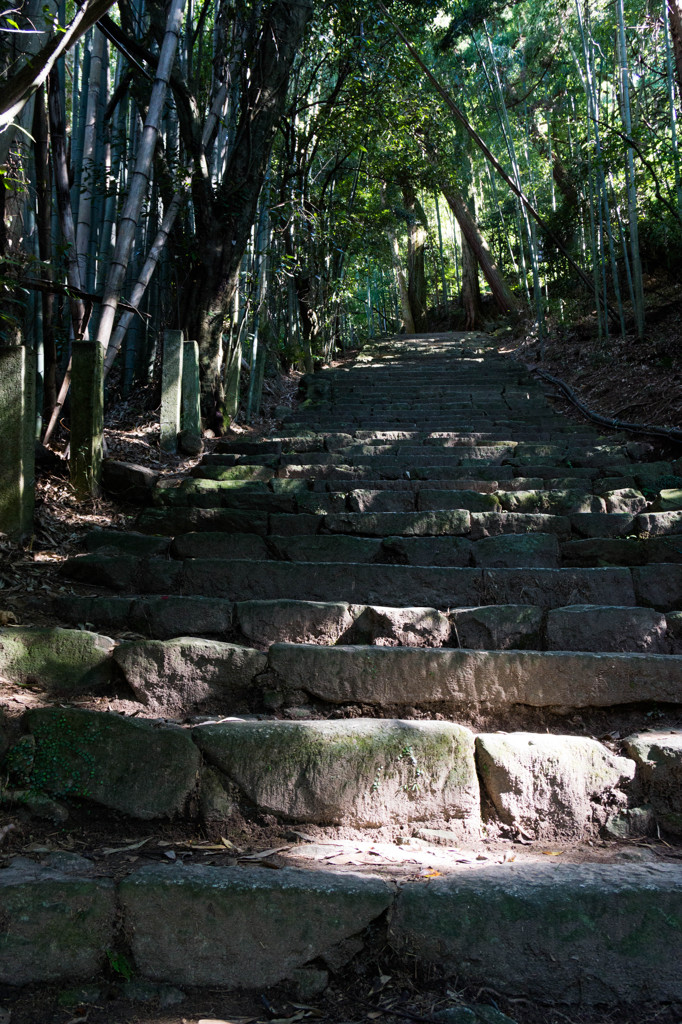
(658, 586)
(658, 756)
(552, 787)
(129, 481)
(606, 628)
(381, 501)
(190, 410)
(166, 617)
(363, 772)
(670, 499)
(625, 499)
(553, 588)
(443, 551)
(532, 550)
(56, 920)
(178, 676)
(326, 548)
(496, 524)
(401, 627)
(135, 766)
(171, 522)
(17, 452)
(560, 502)
(596, 524)
(498, 627)
(242, 927)
(220, 545)
(434, 500)
(108, 613)
(659, 524)
(59, 660)
(171, 389)
(575, 933)
(128, 543)
(269, 622)
(453, 522)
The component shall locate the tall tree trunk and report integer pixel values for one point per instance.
(675, 22)
(43, 196)
(416, 240)
(224, 220)
(399, 274)
(471, 233)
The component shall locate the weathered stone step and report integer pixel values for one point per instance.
(253, 927)
(535, 549)
(490, 627)
(364, 772)
(333, 440)
(169, 522)
(254, 496)
(659, 586)
(455, 679)
(621, 551)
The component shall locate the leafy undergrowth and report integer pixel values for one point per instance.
(631, 379)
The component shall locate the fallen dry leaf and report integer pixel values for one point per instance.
(263, 854)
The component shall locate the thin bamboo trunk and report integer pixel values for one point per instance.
(636, 263)
(140, 179)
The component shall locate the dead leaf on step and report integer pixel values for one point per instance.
(228, 845)
(124, 849)
(264, 854)
(289, 1020)
(552, 853)
(381, 983)
(232, 1020)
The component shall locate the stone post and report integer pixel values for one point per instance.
(17, 444)
(232, 384)
(190, 419)
(87, 418)
(171, 389)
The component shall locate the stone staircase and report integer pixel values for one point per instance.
(435, 622)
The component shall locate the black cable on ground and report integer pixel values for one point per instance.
(670, 433)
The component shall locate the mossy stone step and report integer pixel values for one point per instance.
(362, 772)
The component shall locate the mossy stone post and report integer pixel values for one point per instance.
(171, 389)
(87, 418)
(190, 417)
(17, 451)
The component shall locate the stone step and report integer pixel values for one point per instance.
(254, 928)
(658, 586)
(359, 772)
(254, 496)
(535, 549)
(489, 627)
(170, 522)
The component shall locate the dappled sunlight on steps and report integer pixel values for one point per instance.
(431, 616)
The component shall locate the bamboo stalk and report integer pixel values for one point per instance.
(141, 175)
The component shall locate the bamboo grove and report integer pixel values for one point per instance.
(281, 180)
